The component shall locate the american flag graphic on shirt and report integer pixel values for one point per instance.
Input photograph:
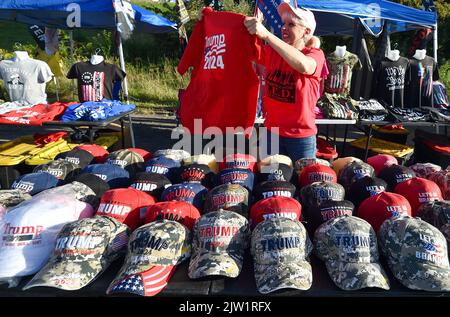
(148, 283)
(93, 87)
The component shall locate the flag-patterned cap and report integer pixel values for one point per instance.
(153, 251)
(83, 250)
(280, 248)
(416, 253)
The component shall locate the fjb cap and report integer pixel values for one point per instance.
(300, 164)
(83, 250)
(316, 173)
(244, 161)
(163, 165)
(364, 188)
(233, 197)
(348, 246)
(315, 193)
(99, 152)
(192, 193)
(126, 159)
(146, 155)
(219, 242)
(325, 211)
(376, 209)
(127, 205)
(115, 176)
(275, 207)
(179, 211)
(275, 172)
(151, 183)
(380, 161)
(239, 176)
(418, 191)
(416, 253)
(394, 175)
(34, 183)
(59, 168)
(154, 250)
(354, 171)
(273, 188)
(79, 157)
(197, 173)
(280, 248)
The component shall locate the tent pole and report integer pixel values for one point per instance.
(435, 42)
(71, 60)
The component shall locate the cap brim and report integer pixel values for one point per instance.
(147, 283)
(270, 278)
(355, 276)
(422, 277)
(285, 7)
(211, 263)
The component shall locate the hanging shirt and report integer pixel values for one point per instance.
(419, 92)
(95, 82)
(341, 68)
(290, 96)
(223, 90)
(391, 79)
(25, 79)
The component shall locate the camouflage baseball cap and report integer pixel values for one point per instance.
(177, 155)
(153, 252)
(232, 197)
(348, 246)
(416, 253)
(84, 249)
(219, 242)
(437, 213)
(300, 164)
(280, 248)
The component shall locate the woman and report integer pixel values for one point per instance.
(292, 81)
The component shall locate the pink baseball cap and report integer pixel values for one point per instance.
(303, 14)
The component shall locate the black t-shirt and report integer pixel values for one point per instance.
(423, 73)
(392, 78)
(95, 82)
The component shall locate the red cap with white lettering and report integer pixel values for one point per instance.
(181, 211)
(128, 205)
(418, 190)
(376, 209)
(316, 173)
(276, 206)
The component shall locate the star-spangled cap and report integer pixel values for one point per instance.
(34, 183)
(364, 188)
(239, 160)
(239, 176)
(180, 211)
(275, 207)
(192, 193)
(163, 165)
(99, 152)
(325, 211)
(380, 161)
(176, 155)
(219, 242)
(418, 191)
(59, 168)
(84, 249)
(348, 246)
(376, 209)
(154, 250)
(280, 248)
(315, 193)
(340, 163)
(115, 176)
(354, 171)
(300, 164)
(127, 205)
(316, 173)
(197, 173)
(416, 253)
(273, 188)
(204, 159)
(233, 197)
(151, 183)
(146, 155)
(126, 159)
(79, 157)
(394, 175)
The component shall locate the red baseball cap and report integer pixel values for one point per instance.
(99, 152)
(380, 161)
(418, 190)
(376, 209)
(238, 160)
(276, 206)
(146, 155)
(127, 205)
(180, 211)
(316, 173)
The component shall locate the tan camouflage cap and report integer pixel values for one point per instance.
(348, 246)
(416, 253)
(153, 251)
(280, 248)
(219, 242)
(232, 197)
(84, 249)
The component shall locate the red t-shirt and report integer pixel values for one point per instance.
(223, 90)
(290, 97)
(35, 115)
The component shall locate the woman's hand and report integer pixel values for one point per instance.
(254, 27)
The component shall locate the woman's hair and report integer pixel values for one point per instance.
(297, 20)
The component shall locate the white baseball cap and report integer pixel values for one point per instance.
(303, 14)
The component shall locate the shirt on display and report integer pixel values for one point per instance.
(391, 79)
(95, 82)
(25, 79)
(341, 68)
(419, 92)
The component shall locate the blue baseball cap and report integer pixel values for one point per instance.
(239, 176)
(193, 193)
(114, 175)
(163, 165)
(34, 183)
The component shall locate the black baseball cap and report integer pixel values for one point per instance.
(354, 171)
(276, 172)
(196, 173)
(315, 193)
(273, 188)
(396, 174)
(79, 157)
(151, 183)
(364, 188)
(325, 211)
